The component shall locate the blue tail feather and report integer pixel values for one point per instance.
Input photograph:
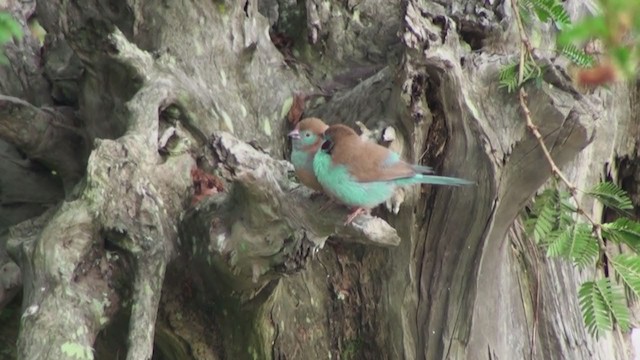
(420, 169)
(440, 180)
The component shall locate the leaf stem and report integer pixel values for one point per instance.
(526, 50)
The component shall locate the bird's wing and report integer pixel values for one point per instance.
(367, 161)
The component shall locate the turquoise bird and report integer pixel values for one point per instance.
(362, 174)
(306, 139)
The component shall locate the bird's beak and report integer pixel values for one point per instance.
(295, 134)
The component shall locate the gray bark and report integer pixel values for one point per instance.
(127, 97)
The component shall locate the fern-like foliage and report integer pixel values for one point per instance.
(509, 75)
(602, 304)
(547, 10)
(611, 196)
(577, 244)
(628, 268)
(577, 56)
(551, 216)
(525, 10)
(625, 231)
(551, 220)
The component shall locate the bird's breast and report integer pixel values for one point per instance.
(300, 159)
(339, 183)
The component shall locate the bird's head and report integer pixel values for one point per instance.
(308, 133)
(337, 133)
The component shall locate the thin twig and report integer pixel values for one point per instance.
(527, 51)
(524, 49)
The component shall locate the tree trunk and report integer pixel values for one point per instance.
(105, 127)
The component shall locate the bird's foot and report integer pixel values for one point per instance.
(355, 213)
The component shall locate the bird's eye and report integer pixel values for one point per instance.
(307, 135)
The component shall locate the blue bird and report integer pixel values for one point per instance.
(362, 174)
(306, 139)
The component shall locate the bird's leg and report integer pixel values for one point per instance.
(354, 214)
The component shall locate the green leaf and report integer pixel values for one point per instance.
(602, 304)
(588, 306)
(577, 56)
(625, 231)
(540, 224)
(624, 58)
(613, 295)
(559, 244)
(576, 244)
(628, 267)
(509, 77)
(551, 215)
(525, 11)
(636, 22)
(584, 248)
(9, 27)
(5, 36)
(622, 54)
(544, 222)
(550, 10)
(611, 196)
(585, 29)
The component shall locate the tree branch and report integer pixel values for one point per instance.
(527, 50)
(64, 282)
(268, 180)
(265, 225)
(47, 135)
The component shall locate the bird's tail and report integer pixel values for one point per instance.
(421, 169)
(441, 180)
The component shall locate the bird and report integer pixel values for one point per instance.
(306, 139)
(362, 174)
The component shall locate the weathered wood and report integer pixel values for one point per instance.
(47, 135)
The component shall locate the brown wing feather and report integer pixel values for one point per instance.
(365, 159)
(374, 168)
